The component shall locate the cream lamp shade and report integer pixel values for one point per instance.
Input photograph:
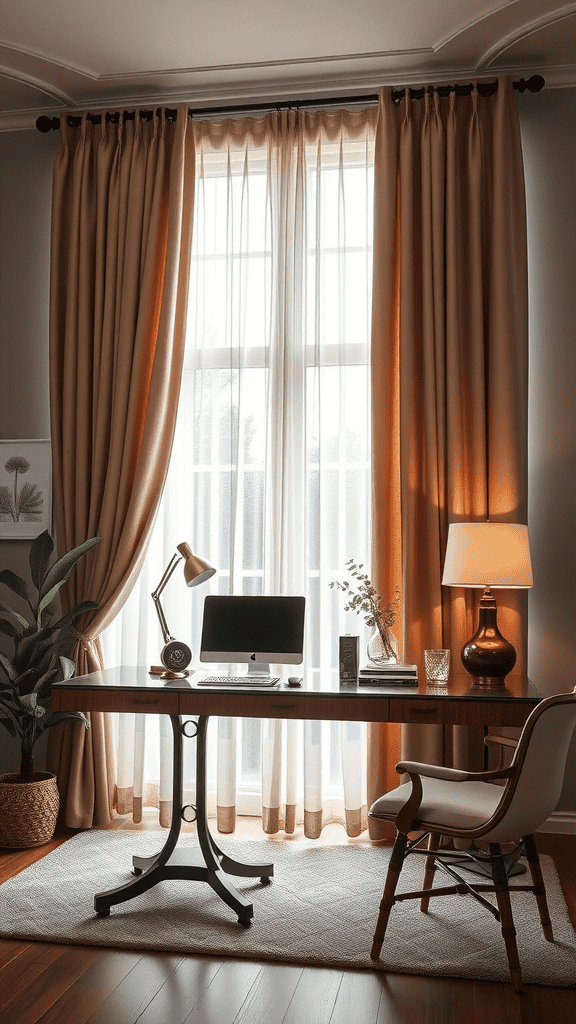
(487, 555)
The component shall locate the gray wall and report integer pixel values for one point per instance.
(549, 142)
(548, 122)
(26, 161)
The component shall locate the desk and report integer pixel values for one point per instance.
(133, 690)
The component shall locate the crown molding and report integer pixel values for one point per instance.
(523, 32)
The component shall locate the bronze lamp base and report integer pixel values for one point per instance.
(488, 656)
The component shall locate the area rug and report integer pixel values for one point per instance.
(320, 909)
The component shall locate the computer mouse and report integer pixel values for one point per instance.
(294, 681)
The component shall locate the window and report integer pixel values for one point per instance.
(269, 476)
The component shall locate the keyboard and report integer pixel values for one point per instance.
(249, 681)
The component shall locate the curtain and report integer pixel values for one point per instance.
(121, 227)
(449, 372)
(269, 477)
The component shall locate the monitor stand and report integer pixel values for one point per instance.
(259, 668)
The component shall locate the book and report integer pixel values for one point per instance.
(387, 680)
(399, 669)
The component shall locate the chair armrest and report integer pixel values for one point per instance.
(503, 741)
(437, 771)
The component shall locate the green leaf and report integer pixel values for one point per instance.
(10, 630)
(39, 556)
(8, 668)
(61, 569)
(16, 583)
(68, 668)
(9, 725)
(71, 616)
(56, 717)
(19, 618)
(47, 599)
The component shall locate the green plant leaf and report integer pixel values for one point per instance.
(9, 725)
(10, 630)
(8, 668)
(61, 569)
(39, 557)
(68, 668)
(19, 618)
(75, 613)
(56, 717)
(16, 583)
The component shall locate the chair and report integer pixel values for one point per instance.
(448, 802)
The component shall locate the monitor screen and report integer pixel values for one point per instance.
(253, 630)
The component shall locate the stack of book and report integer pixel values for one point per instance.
(399, 674)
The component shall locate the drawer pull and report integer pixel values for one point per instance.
(422, 711)
(151, 700)
(283, 705)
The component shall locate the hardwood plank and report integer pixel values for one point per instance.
(50, 979)
(411, 999)
(131, 997)
(9, 950)
(223, 998)
(499, 1004)
(21, 971)
(86, 994)
(271, 994)
(178, 997)
(358, 998)
(315, 997)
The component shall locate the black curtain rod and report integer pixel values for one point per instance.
(533, 84)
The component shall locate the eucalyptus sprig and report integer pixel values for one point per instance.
(364, 599)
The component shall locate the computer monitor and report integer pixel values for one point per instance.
(256, 631)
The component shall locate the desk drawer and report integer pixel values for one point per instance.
(459, 712)
(124, 701)
(283, 704)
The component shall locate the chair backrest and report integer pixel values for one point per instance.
(540, 762)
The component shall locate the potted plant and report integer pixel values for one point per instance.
(28, 799)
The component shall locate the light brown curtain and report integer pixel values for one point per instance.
(121, 234)
(449, 374)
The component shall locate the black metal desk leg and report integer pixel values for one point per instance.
(207, 863)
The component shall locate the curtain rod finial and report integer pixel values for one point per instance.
(47, 124)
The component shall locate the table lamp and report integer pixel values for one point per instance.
(488, 555)
(175, 655)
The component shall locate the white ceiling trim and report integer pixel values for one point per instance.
(36, 83)
(524, 32)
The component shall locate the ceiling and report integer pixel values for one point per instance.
(73, 55)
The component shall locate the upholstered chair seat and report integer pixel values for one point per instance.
(466, 806)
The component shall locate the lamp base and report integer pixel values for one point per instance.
(167, 673)
(488, 656)
(487, 681)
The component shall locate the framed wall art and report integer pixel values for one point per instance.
(25, 489)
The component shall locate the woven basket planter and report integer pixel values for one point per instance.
(28, 810)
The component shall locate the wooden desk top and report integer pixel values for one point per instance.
(321, 697)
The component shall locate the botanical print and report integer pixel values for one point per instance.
(24, 488)
(24, 504)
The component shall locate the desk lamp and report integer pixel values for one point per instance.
(175, 655)
(488, 555)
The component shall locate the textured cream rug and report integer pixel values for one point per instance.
(320, 909)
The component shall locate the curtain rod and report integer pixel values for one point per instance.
(534, 84)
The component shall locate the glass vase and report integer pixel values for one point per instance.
(382, 647)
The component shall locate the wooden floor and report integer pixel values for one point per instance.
(58, 984)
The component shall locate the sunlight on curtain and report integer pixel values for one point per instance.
(269, 476)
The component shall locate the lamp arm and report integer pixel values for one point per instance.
(156, 596)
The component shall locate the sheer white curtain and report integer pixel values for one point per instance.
(269, 475)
